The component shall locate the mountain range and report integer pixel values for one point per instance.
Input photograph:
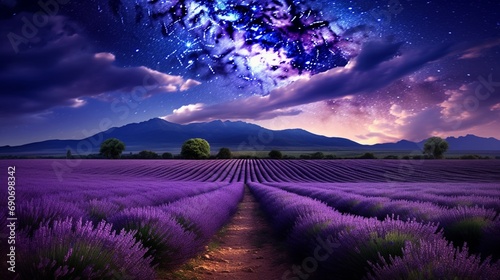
(162, 136)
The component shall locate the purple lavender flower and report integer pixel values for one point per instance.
(177, 231)
(466, 224)
(434, 259)
(77, 250)
(33, 213)
(165, 240)
(372, 241)
(99, 210)
(490, 243)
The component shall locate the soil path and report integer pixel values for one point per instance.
(245, 250)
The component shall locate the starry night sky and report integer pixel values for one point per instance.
(370, 71)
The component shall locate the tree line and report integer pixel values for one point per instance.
(198, 148)
(195, 148)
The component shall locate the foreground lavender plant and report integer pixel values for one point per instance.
(77, 250)
(468, 224)
(99, 210)
(434, 260)
(33, 213)
(166, 241)
(374, 241)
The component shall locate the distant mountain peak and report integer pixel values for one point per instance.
(156, 120)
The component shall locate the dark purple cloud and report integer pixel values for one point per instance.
(376, 52)
(378, 65)
(57, 67)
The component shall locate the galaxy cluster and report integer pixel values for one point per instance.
(270, 42)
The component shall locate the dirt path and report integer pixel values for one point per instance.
(245, 250)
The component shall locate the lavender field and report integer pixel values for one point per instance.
(339, 219)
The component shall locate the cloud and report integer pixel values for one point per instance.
(57, 67)
(431, 79)
(480, 50)
(202, 112)
(420, 110)
(378, 65)
(381, 137)
(189, 84)
(376, 52)
(187, 109)
(462, 109)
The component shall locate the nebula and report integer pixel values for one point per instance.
(268, 42)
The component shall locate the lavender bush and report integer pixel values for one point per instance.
(77, 250)
(434, 259)
(33, 213)
(375, 241)
(165, 240)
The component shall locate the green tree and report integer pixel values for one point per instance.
(318, 155)
(167, 156)
(275, 154)
(112, 148)
(224, 153)
(436, 147)
(195, 148)
(148, 155)
(368, 156)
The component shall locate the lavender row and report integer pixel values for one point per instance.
(375, 171)
(331, 244)
(68, 171)
(85, 186)
(176, 231)
(438, 189)
(476, 226)
(129, 244)
(443, 194)
(98, 203)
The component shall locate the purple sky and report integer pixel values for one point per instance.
(370, 71)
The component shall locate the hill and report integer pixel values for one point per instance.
(163, 136)
(160, 135)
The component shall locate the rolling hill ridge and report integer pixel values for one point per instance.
(160, 135)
